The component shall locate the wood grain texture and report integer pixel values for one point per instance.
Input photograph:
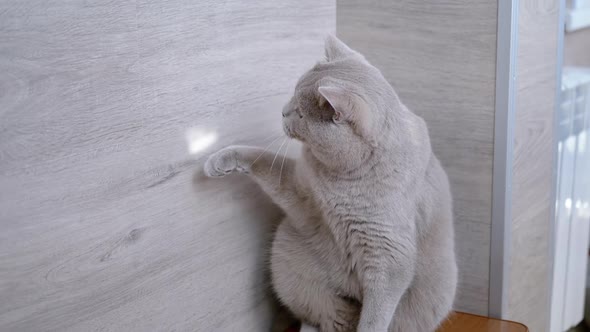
(462, 322)
(104, 224)
(440, 57)
(532, 176)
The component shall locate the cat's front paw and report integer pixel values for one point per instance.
(221, 163)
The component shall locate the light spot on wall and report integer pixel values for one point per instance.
(199, 139)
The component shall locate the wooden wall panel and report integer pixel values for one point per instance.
(440, 57)
(532, 182)
(103, 223)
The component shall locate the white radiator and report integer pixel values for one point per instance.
(572, 201)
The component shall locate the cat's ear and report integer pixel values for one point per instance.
(339, 101)
(336, 49)
(348, 107)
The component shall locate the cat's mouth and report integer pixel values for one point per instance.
(288, 131)
(291, 134)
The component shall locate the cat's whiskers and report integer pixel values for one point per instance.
(265, 149)
(283, 163)
(276, 154)
(273, 136)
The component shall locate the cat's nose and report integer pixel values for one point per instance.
(284, 115)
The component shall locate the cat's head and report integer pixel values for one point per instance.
(337, 108)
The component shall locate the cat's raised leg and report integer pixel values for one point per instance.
(273, 173)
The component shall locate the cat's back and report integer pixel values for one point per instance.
(434, 212)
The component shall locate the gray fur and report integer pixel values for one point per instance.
(367, 243)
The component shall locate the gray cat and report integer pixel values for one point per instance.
(367, 243)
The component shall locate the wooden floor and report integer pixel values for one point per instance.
(462, 322)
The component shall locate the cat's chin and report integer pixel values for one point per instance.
(295, 137)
